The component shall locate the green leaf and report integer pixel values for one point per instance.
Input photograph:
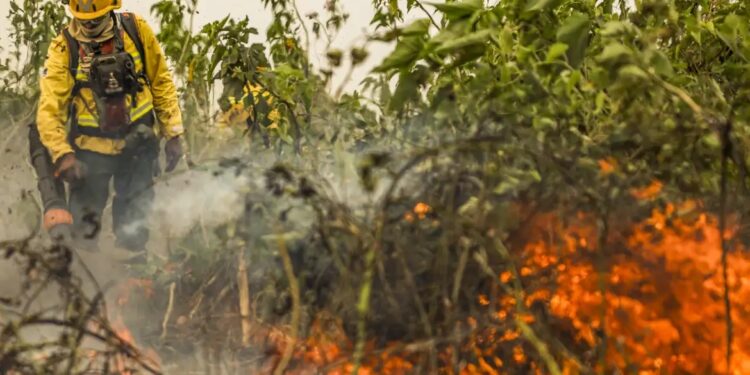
(467, 54)
(517, 179)
(615, 28)
(406, 90)
(460, 9)
(470, 207)
(632, 73)
(509, 184)
(575, 33)
(445, 36)
(418, 27)
(285, 71)
(732, 32)
(506, 39)
(556, 50)
(537, 5)
(661, 64)
(599, 101)
(473, 39)
(614, 52)
(711, 141)
(406, 52)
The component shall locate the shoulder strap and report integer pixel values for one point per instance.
(128, 23)
(73, 53)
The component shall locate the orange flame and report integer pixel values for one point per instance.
(657, 302)
(607, 166)
(662, 302)
(121, 363)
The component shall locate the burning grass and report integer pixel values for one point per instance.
(646, 299)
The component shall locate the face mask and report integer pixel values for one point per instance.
(95, 27)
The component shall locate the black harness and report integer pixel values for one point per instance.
(128, 24)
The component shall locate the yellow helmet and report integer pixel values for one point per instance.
(90, 9)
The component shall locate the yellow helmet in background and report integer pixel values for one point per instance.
(91, 9)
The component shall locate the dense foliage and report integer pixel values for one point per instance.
(519, 186)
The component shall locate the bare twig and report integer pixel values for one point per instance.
(296, 305)
(429, 15)
(126, 348)
(415, 293)
(243, 284)
(168, 313)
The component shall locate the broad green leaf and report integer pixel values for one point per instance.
(733, 32)
(599, 101)
(661, 64)
(286, 70)
(459, 9)
(476, 38)
(693, 28)
(717, 91)
(632, 73)
(468, 53)
(711, 141)
(406, 90)
(537, 5)
(508, 185)
(615, 28)
(613, 52)
(456, 30)
(517, 179)
(506, 39)
(470, 207)
(575, 33)
(406, 52)
(556, 50)
(418, 27)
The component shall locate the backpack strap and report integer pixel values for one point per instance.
(127, 20)
(73, 56)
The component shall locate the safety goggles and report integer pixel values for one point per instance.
(94, 23)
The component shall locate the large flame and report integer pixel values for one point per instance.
(647, 298)
(656, 295)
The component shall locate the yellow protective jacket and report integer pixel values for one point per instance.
(57, 85)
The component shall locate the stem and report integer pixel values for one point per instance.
(344, 82)
(539, 345)
(518, 292)
(168, 313)
(307, 34)
(363, 306)
(429, 15)
(725, 154)
(190, 33)
(296, 305)
(244, 295)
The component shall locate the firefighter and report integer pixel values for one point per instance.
(107, 97)
(239, 111)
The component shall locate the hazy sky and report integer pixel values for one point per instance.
(209, 10)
